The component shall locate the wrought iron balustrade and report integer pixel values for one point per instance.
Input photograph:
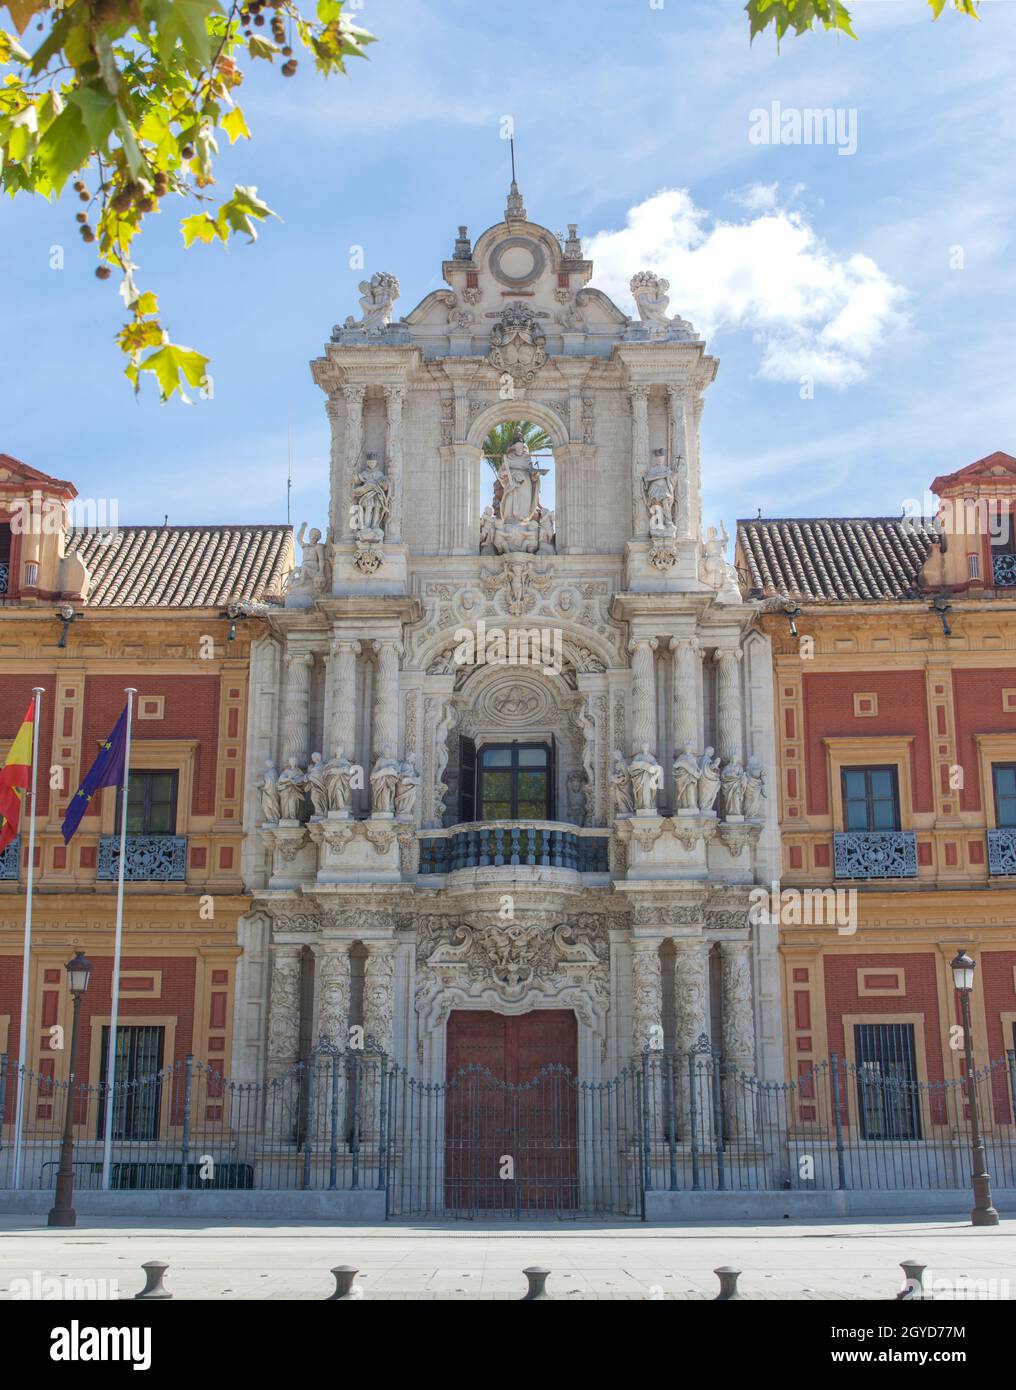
(1002, 851)
(541, 844)
(1003, 570)
(150, 858)
(10, 860)
(875, 854)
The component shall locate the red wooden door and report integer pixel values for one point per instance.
(503, 1117)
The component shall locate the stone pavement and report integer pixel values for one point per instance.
(468, 1260)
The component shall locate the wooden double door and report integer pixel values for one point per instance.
(510, 1114)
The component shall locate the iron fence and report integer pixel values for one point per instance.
(475, 1146)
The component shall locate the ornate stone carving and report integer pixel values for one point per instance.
(646, 777)
(379, 992)
(754, 789)
(310, 578)
(647, 997)
(338, 778)
(378, 296)
(333, 990)
(732, 785)
(284, 1008)
(292, 791)
(518, 346)
(384, 781)
(317, 785)
(268, 789)
(520, 582)
(650, 294)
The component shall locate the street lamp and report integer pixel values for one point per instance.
(983, 1214)
(62, 1213)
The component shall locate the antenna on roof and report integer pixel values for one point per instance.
(512, 144)
(165, 518)
(759, 517)
(289, 475)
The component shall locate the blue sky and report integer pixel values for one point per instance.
(887, 275)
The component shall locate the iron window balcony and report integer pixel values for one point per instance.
(1002, 851)
(10, 860)
(1003, 570)
(150, 858)
(875, 854)
(495, 844)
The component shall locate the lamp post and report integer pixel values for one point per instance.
(62, 1213)
(983, 1214)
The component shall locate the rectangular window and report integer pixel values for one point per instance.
(515, 782)
(5, 559)
(1003, 775)
(888, 1095)
(973, 566)
(151, 803)
(138, 1085)
(870, 798)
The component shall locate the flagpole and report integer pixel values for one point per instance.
(37, 693)
(107, 1141)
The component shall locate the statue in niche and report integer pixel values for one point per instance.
(620, 786)
(754, 789)
(576, 797)
(520, 483)
(660, 495)
(732, 784)
(372, 498)
(646, 775)
(269, 790)
(317, 785)
(338, 777)
(488, 527)
(687, 771)
(292, 791)
(384, 781)
(709, 781)
(378, 296)
(406, 787)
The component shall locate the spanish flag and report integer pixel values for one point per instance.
(15, 779)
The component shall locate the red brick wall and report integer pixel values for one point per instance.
(999, 997)
(978, 700)
(829, 713)
(15, 696)
(176, 1001)
(192, 711)
(841, 998)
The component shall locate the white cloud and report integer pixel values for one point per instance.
(758, 197)
(812, 313)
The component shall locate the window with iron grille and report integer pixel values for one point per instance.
(1003, 776)
(151, 803)
(888, 1096)
(870, 798)
(138, 1083)
(5, 559)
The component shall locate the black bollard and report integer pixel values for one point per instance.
(344, 1276)
(537, 1277)
(913, 1272)
(154, 1273)
(728, 1277)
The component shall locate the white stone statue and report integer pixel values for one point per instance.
(732, 784)
(338, 776)
(714, 556)
(372, 496)
(548, 529)
(650, 294)
(269, 789)
(709, 781)
(687, 771)
(576, 796)
(311, 574)
(317, 785)
(488, 523)
(646, 775)
(406, 787)
(292, 791)
(379, 294)
(520, 483)
(658, 488)
(754, 789)
(620, 786)
(384, 781)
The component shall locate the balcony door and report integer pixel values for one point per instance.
(515, 781)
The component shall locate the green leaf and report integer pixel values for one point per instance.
(98, 111)
(64, 147)
(258, 47)
(169, 362)
(240, 209)
(186, 21)
(200, 227)
(235, 126)
(133, 155)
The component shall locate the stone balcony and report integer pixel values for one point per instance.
(1001, 852)
(875, 854)
(509, 844)
(150, 858)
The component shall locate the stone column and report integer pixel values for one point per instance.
(354, 448)
(296, 716)
(738, 1035)
(379, 993)
(331, 993)
(643, 669)
(284, 1011)
(386, 698)
(729, 742)
(342, 682)
(680, 460)
(687, 693)
(395, 397)
(691, 993)
(647, 998)
(639, 396)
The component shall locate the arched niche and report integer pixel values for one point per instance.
(521, 408)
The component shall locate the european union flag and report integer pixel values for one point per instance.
(106, 771)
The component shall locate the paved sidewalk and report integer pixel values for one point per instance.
(466, 1260)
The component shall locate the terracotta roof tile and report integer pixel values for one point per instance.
(835, 560)
(182, 566)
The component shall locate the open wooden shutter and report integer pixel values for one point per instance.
(552, 780)
(467, 780)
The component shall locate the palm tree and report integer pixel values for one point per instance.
(499, 440)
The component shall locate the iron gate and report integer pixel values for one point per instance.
(475, 1146)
